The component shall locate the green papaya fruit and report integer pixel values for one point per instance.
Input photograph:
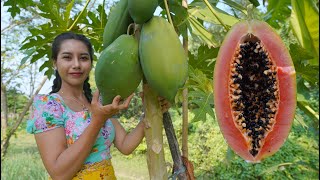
(118, 21)
(118, 71)
(142, 10)
(162, 57)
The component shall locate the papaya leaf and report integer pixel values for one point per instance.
(203, 12)
(303, 90)
(255, 3)
(26, 3)
(50, 10)
(277, 12)
(307, 109)
(200, 94)
(196, 29)
(183, 29)
(230, 155)
(301, 59)
(203, 59)
(234, 5)
(28, 53)
(179, 17)
(201, 3)
(305, 25)
(47, 64)
(170, 3)
(67, 12)
(300, 120)
(198, 81)
(16, 5)
(95, 27)
(274, 168)
(13, 9)
(204, 102)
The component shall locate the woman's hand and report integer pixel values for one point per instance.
(104, 112)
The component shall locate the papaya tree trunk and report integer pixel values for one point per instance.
(154, 135)
(7, 136)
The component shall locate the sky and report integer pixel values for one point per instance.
(47, 86)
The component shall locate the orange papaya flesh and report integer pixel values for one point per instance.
(254, 90)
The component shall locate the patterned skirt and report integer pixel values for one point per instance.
(102, 170)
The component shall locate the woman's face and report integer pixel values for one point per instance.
(73, 62)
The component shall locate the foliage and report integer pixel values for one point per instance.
(135, 108)
(200, 94)
(305, 25)
(277, 12)
(16, 101)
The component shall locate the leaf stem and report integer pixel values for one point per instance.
(211, 9)
(168, 12)
(75, 21)
(250, 12)
(103, 4)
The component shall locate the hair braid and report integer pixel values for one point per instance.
(56, 83)
(87, 90)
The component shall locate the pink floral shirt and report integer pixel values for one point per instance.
(50, 112)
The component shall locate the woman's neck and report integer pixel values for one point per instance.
(72, 92)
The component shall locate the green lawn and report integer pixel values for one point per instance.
(23, 162)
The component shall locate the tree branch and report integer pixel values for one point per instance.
(15, 23)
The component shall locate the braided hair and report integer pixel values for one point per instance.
(55, 51)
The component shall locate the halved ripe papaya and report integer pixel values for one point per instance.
(254, 90)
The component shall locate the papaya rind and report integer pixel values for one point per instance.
(118, 21)
(142, 10)
(163, 59)
(118, 71)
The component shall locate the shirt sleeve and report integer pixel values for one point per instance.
(47, 114)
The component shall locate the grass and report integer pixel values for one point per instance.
(129, 167)
(23, 162)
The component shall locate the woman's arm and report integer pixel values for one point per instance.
(64, 162)
(127, 143)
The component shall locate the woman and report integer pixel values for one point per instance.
(73, 131)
